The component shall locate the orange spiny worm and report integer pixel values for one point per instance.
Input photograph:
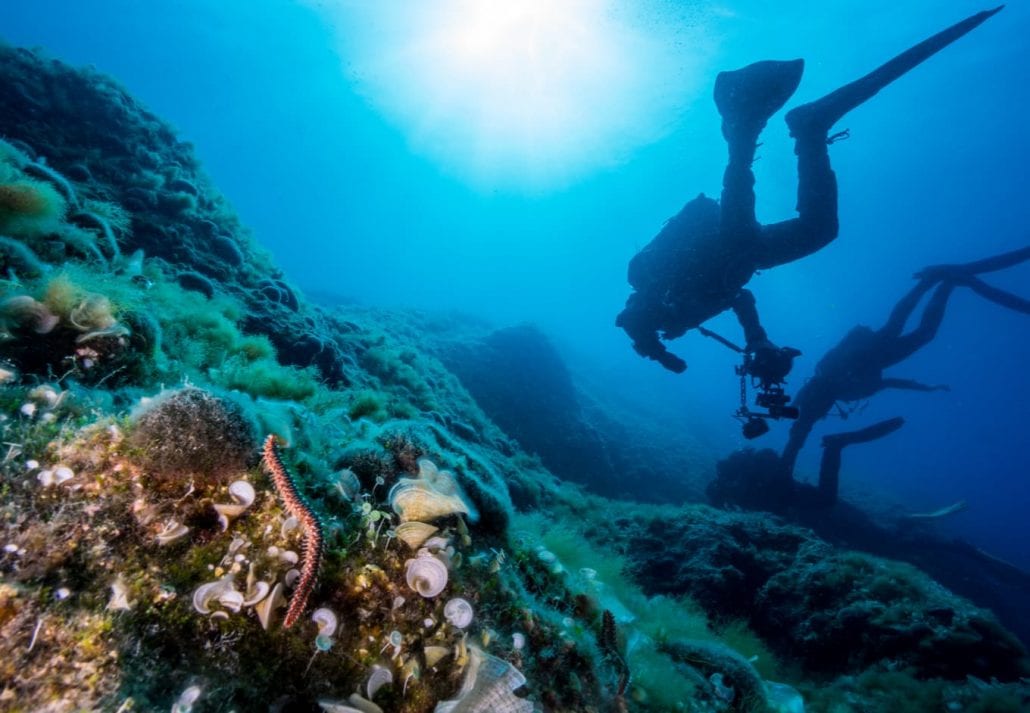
(314, 541)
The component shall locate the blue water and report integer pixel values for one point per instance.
(368, 178)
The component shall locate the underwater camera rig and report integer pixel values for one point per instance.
(767, 370)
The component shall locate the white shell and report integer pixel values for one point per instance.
(458, 612)
(243, 496)
(242, 492)
(518, 641)
(333, 707)
(221, 590)
(289, 525)
(434, 654)
(436, 544)
(55, 476)
(418, 500)
(379, 677)
(426, 575)
(119, 596)
(289, 557)
(291, 577)
(441, 480)
(348, 484)
(171, 532)
(414, 533)
(186, 700)
(362, 705)
(255, 593)
(267, 606)
(325, 619)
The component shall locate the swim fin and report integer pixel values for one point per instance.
(818, 117)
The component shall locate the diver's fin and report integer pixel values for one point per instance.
(747, 97)
(938, 514)
(818, 117)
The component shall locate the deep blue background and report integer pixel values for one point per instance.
(936, 171)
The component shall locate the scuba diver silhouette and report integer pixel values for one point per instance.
(698, 264)
(853, 369)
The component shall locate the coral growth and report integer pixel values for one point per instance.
(190, 432)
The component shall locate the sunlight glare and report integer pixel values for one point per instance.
(526, 92)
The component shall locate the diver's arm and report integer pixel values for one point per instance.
(647, 344)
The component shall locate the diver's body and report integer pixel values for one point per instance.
(853, 369)
(698, 265)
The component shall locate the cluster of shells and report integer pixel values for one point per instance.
(419, 501)
(249, 576)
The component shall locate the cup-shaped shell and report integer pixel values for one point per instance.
(119, 596)
(414, 533)
(171, 532)
(418, 500)
(458, 612)
(441, 480)
(222, 591)
(256, 591)
(379, 677)
(242, 494)
(267, 606)
(347, 484)
(434, 654)
(426, 575)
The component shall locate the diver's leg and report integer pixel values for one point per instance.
(906, 345)
(911, 385)
(746, 98)
(818, 117)
(903, 309)
(829, 466)
(1001, 297)
(814, 401)
(810, 124)
(816, 225)
(977, 267)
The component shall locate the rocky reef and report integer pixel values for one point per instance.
(215, 495)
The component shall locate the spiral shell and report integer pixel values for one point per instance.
(458, 612)
(325, 620)
(426, 575)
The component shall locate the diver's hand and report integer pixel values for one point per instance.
(671, 362)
